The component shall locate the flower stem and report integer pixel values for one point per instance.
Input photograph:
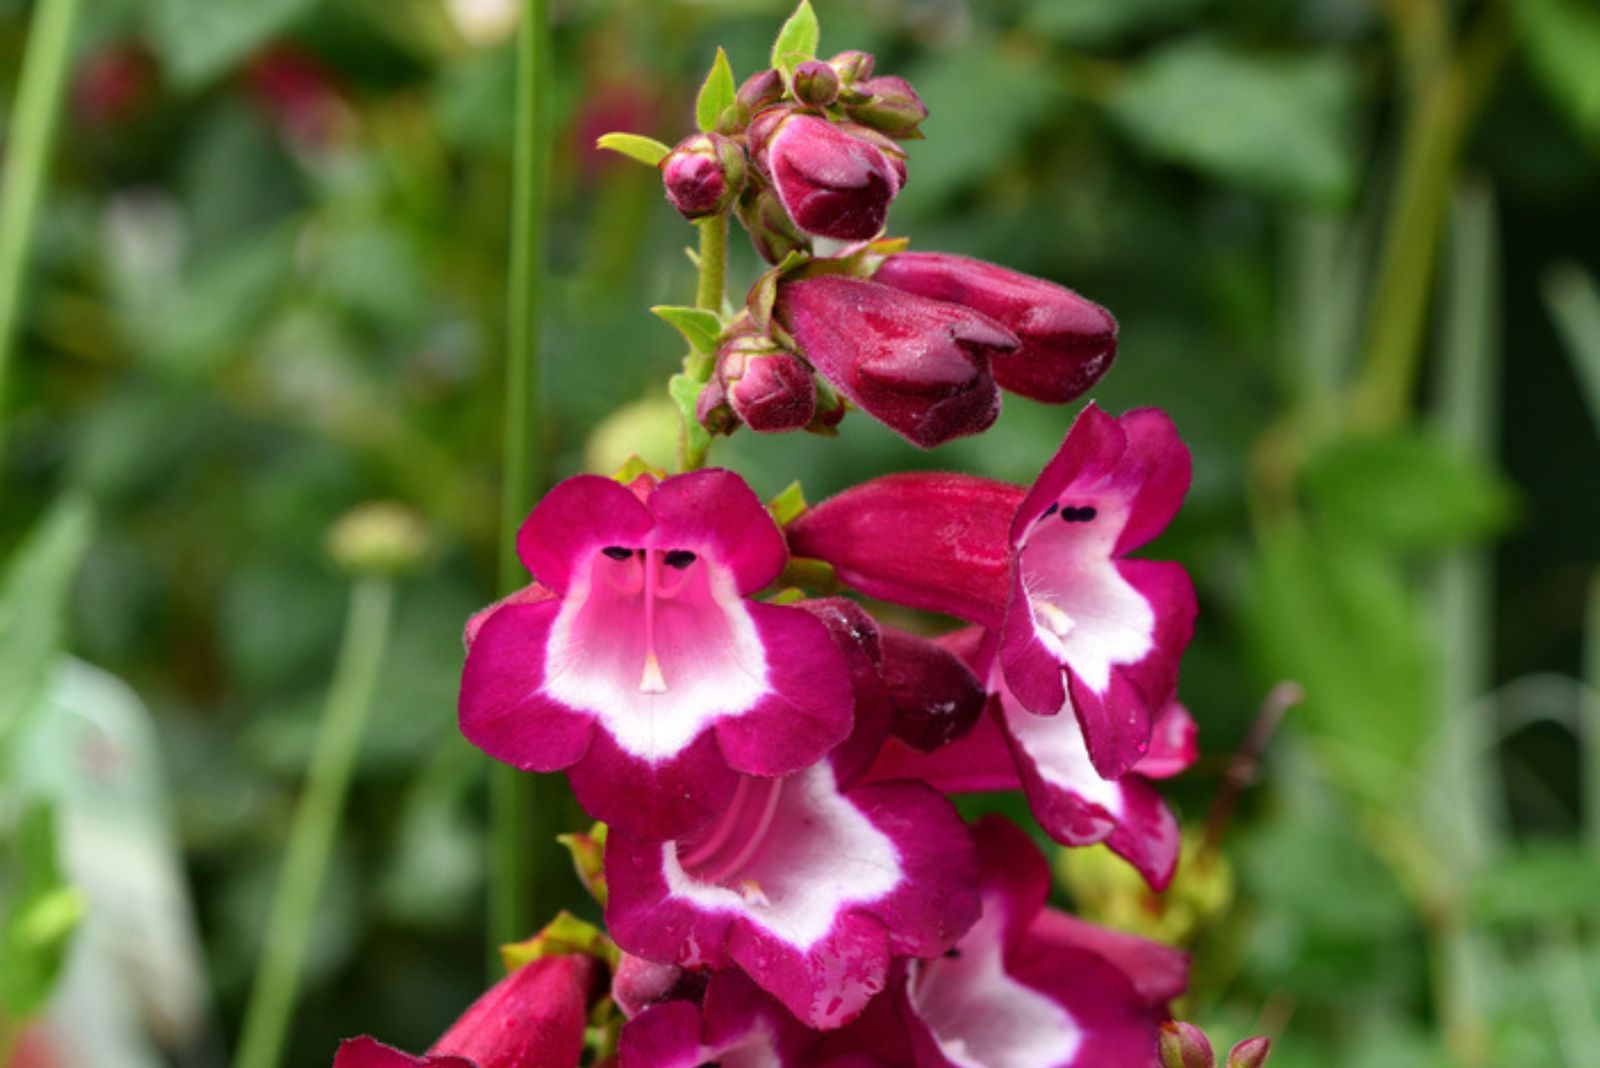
(522, 808)
(316, 824)
(33, 126)
(713, 263)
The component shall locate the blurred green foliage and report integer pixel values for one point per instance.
(270, 286)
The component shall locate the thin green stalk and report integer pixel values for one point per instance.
(33, 127)
(522, 809)
(1590, 711)
(713, 263)
(1435, 129)
(316, 824)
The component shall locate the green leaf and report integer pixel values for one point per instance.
(685, 393)
(1562, 40)
(38, 913)
(1279, 126)
(200, 40)
(797, 38)
(787, 506)
(716, 95)
(1541, 883)
(699, 327)
(1408, 490)
(1336, 616)
(33, 598)
(646, 150)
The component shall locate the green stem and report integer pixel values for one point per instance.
(713, 263)
(1435, 129)
(316, 825)
(521, 809)
(1590, 711)
(33, 126)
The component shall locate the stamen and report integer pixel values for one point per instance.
(652, 681)
(679, 559)
(617, 552)
(1053, 618)
(1078, 515)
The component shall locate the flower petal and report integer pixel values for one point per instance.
(578, 518)
(653, 801)
(716, 513)
(367, 1052)
(533, 1018)
(1158, 465)
(1174, 744)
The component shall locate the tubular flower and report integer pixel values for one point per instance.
(809, 885)
(1079, 625)
(1029, 987)
(1068, 343)
(738, 1026)
(648, 675)
(831, 182)
(919, 366)
(533, 1018)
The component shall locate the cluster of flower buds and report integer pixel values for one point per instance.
(783, 871)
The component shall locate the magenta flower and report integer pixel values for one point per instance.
(808, 884)
(1028, 985)
(649, 676)
(832, 182)
(1079, 624)
(533, 1018)
(1068, 343)
(737, 1025)
(703, 174)
(919, 366)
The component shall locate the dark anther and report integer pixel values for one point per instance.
(1078, 515)
(617, 552)
(1050, 511)
(952, 954)
(679, 558)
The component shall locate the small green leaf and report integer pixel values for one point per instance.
(646, 150)
(1406, 490)
(699, 327)
(38, 912)
(565, 935)
(787, 506)
(716, 95)
(797, 38)
(685, 392)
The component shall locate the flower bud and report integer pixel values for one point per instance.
(1184, 1045)
(1251, 1053)
(380, 538)
(852, 66)
(936, 697)
(769, 388)
(771, 231)
(761, 90)
(703, 174)
(891, 106)
(815, 83)
(713, 411)
(1068, 342)
(830, 182)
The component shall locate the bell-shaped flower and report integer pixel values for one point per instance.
(832, 182)
(1068, 342)
(533, 1018)
(649, 675)
(736, 1026)
(919, 366)
(1029, 986)
(810, 885)
(1080, 625)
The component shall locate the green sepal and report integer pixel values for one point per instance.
(646, 150)
(787, 506)
(787, 596)
(700, 328)
(716, 95)
(631, 469)
(563, 936)
(694, 441)
(764, 294)
(797, 40)
(588, 859)
(803, 572)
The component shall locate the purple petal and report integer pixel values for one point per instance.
(1158, 466)
(1174, 744)
(575, 520)
(653, 801)
(715, 512)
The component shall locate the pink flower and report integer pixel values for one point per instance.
(533, 1018)
(1079, 625)
(737, 1025)
(649, 676)
(809, 884)
(831, 182)
(1068, 343)
(921, 367)
(1028, 985)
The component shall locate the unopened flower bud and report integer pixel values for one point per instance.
(703, 174)
(771, 230)
(1184, 1045)
(852, 66)
(891, 106)
(761, 90)
(380, 538)
(769, 388)
(830, 181)
(1251, 1053)
(713, 411)
(815, 83)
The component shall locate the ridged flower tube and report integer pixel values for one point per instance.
(649, 675)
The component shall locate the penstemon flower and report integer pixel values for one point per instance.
(649, 676)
